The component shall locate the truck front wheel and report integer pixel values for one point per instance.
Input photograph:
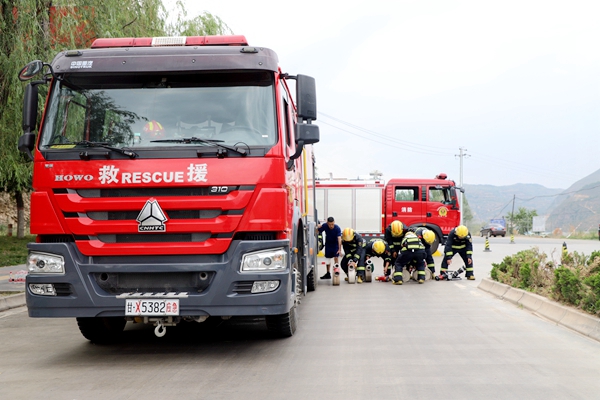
(102, 329)
(283, 325)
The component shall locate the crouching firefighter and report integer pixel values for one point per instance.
(427, 237)
(459, 241)
(354, 250)
(412, 252)
(378, 248)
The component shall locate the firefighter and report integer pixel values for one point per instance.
(378, 248)
(459, 241)
(393, 237)
(354, 250)
(427, 237)
(412, 252)
(153, 130)
(333, 243)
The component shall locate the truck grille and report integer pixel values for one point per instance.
(119, 283)
(243, 287)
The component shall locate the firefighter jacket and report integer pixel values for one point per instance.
(454, 245)
(393, 242)
(428, 257)
(411, 242)
(386, 256)
(354, 249)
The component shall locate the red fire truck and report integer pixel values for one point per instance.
(370, 206)
(172, 181)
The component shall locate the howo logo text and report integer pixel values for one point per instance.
(151, 218)
(70, 178)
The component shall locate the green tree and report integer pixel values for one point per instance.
(522, 220)
(38, 29)
(467, 213)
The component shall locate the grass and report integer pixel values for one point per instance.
(13, 251)
(9, 293)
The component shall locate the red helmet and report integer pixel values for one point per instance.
(154, 130)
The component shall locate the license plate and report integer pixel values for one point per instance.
(151, 307)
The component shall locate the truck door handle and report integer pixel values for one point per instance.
(429, 214)
(394, 214)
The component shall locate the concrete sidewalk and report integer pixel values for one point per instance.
(569, 317)
(14, 300)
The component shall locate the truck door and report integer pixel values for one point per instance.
(407, 205)
(441, 207)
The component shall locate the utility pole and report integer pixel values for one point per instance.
(512, 215)
(460, 199)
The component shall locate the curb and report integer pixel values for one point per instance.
(562, 315)
(14, 301)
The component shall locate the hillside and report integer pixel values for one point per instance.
(488, 201)
(578, 208)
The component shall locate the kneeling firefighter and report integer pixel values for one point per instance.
(354, 250)
(412, 252)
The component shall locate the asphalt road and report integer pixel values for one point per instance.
(439, 340)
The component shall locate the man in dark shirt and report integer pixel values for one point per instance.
(333, 243)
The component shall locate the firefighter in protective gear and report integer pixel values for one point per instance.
(459, 241)
(354, 249)
(393, 236)
(378, 248)
(412, 252)
(153, 130)
(427, 237)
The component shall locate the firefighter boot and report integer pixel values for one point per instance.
(397, 278)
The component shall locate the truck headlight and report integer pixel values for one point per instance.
(42, 263)
(265, 261)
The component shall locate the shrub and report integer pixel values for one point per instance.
(575, 282)
(528, 269)
(567, 285)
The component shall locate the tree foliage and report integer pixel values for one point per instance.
(522, 220)
(38, 29)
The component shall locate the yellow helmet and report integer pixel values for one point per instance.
(397, 228)
(378, 246)
(428, 236)
(462, 231)
(347, 234)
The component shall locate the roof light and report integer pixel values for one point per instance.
(168, 41)
(224, 40)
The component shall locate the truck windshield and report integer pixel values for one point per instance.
(147, 111)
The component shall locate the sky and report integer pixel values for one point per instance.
(403, 86)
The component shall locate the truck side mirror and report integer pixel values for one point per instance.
(30, 70)
(305, 134)
(306, 97)
(30, 106)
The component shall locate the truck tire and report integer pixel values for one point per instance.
(435, 244)
(311, 284)
(283, 325)
(102, 329)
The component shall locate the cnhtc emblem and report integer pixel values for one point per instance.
(151, 218)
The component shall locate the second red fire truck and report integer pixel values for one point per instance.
(369, 206)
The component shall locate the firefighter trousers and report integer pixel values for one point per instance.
(405, 258)
(465, 258)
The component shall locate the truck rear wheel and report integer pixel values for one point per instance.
(435, 244)
(102, 329)
(283, 325)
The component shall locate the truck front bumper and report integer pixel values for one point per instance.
(213, 284)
